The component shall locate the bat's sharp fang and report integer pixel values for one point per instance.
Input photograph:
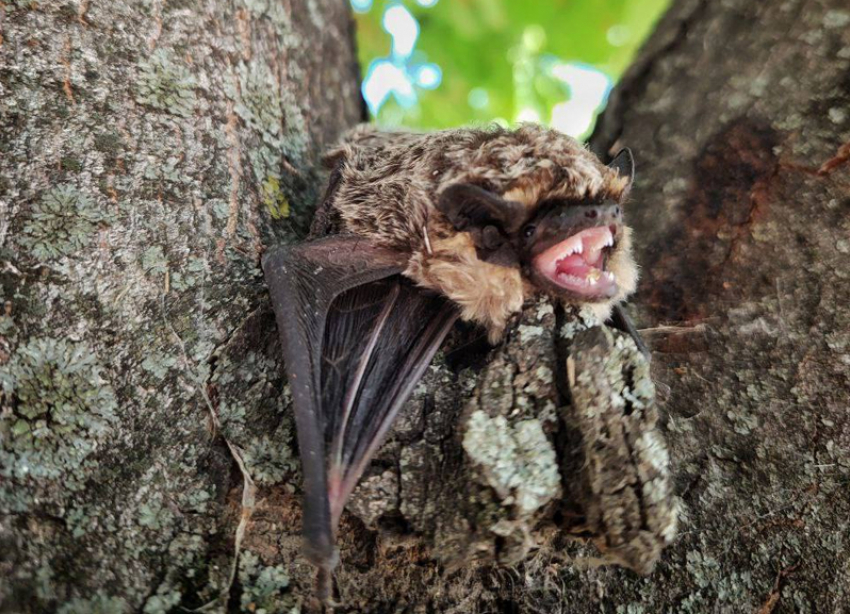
(578, 262)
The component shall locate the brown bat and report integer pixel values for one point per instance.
(416, 230)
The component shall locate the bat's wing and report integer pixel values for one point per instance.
(356, 338)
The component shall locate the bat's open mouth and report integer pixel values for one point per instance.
(577, 264)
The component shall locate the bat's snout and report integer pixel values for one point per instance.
(574, 246)
(597, 215)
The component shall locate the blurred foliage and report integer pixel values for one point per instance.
(499, 58)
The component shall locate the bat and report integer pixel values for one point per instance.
(415, 231)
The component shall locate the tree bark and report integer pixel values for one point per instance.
(149, 150)
(739, 117)
(140, 178)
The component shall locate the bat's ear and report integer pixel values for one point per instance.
(468, 206)
(624, 164)
(487, 217)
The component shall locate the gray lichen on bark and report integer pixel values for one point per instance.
(519, 467)
(148, 151)
(619, 473)
(506, 433)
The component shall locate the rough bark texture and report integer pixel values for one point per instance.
(149, 150)
(739, 117)
(140, 176)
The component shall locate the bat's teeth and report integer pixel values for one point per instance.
(608, 240)
(594, 240)
(572, 279)
(574, 247)
(587, 245)
(609, 275)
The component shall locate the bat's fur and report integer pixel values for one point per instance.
(385, 186)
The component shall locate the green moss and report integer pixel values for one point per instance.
(166, 85)
(275, 200)
(57, 408)
(63, 222)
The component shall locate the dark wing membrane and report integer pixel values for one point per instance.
(303, 281)
(379, 339)
(356, 337)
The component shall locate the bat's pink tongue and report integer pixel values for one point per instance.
(576, 263)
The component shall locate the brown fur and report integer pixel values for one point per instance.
(486, 293)
(389, 183)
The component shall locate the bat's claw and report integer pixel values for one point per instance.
(332, 604)
(325, 588)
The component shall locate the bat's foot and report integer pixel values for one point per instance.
(325, 588)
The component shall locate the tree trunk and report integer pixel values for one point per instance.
(149, 150)
(141, 175)
(739, 117)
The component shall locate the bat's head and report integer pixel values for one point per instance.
(561, 224)
(579, 249)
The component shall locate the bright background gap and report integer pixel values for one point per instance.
(445, 63)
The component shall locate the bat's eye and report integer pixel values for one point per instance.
(528, 231)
